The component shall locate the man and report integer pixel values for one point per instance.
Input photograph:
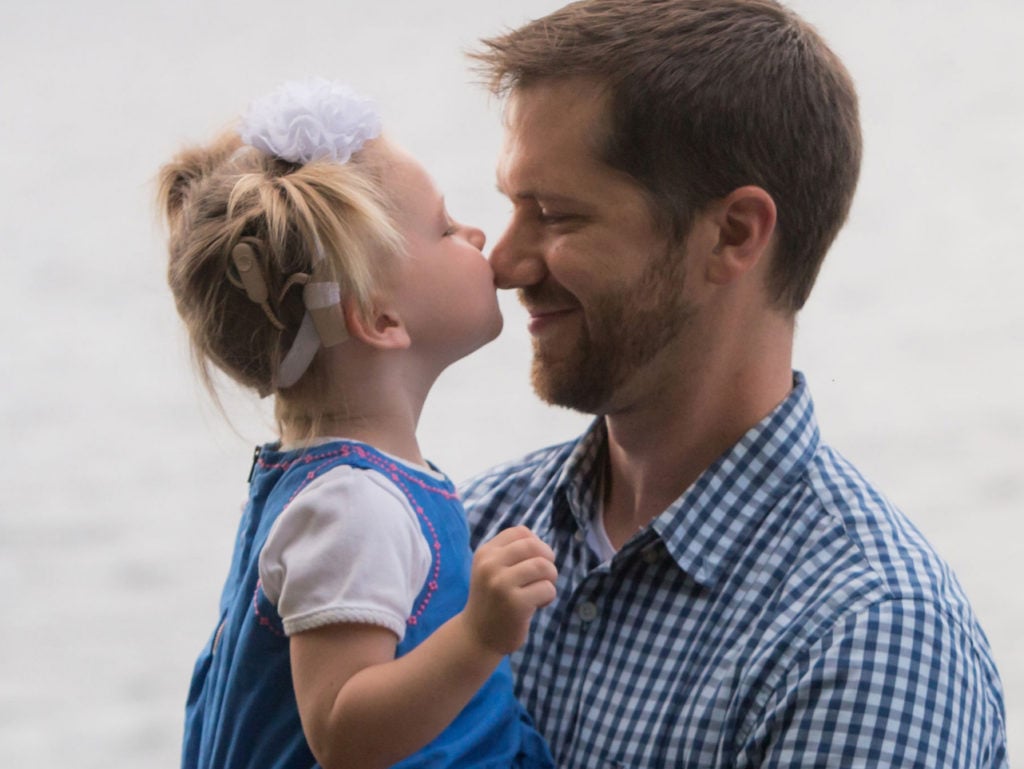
(731, 592)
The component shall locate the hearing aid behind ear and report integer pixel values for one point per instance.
(252, 279)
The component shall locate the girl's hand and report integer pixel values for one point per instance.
(513, 575)
(362, 707)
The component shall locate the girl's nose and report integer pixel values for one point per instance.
(476, 237)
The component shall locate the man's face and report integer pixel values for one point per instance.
(603, 289)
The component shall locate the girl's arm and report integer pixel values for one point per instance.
(361, 707)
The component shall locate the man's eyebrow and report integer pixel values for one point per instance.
(504, 190)
(532, 194)
(521, 195)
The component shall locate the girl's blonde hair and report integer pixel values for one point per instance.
(217, 196)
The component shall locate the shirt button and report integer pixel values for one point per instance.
(587, 611)
(580, 535)
(651, 555)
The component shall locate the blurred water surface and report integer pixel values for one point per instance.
(122, 484)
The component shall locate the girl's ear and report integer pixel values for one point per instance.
(379, 326)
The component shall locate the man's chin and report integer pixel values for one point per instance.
(567, 386)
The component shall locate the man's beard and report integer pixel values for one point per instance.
(622, 331)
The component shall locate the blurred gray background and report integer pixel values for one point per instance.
(122, 484)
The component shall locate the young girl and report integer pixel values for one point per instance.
(314, 261)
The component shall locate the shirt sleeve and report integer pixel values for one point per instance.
(897, 685)
(348, 548)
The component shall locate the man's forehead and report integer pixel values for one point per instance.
(555, 101)
(558, 122)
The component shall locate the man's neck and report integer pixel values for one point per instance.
(657, 449)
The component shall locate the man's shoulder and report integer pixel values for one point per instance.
(860, 587)
(880, 543)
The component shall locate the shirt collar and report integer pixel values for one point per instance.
(703, 528)
(580, 479)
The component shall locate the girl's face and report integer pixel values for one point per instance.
(444, 287)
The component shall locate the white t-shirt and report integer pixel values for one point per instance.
(348, 548)
(597, 538)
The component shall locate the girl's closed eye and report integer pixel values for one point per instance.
(448, 225)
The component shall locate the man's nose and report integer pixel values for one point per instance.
(517, 260)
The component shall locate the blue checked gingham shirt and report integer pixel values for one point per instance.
(781, 613)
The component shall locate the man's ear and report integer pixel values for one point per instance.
(745, 219)
(378, 326)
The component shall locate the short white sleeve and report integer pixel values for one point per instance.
(348, 548)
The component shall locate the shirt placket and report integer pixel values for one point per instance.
(578, 643)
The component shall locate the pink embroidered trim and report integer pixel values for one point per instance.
(262, 619)
(347, 449)
(399, 476)
(436, 571)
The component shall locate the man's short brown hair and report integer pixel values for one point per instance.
(706, 96)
